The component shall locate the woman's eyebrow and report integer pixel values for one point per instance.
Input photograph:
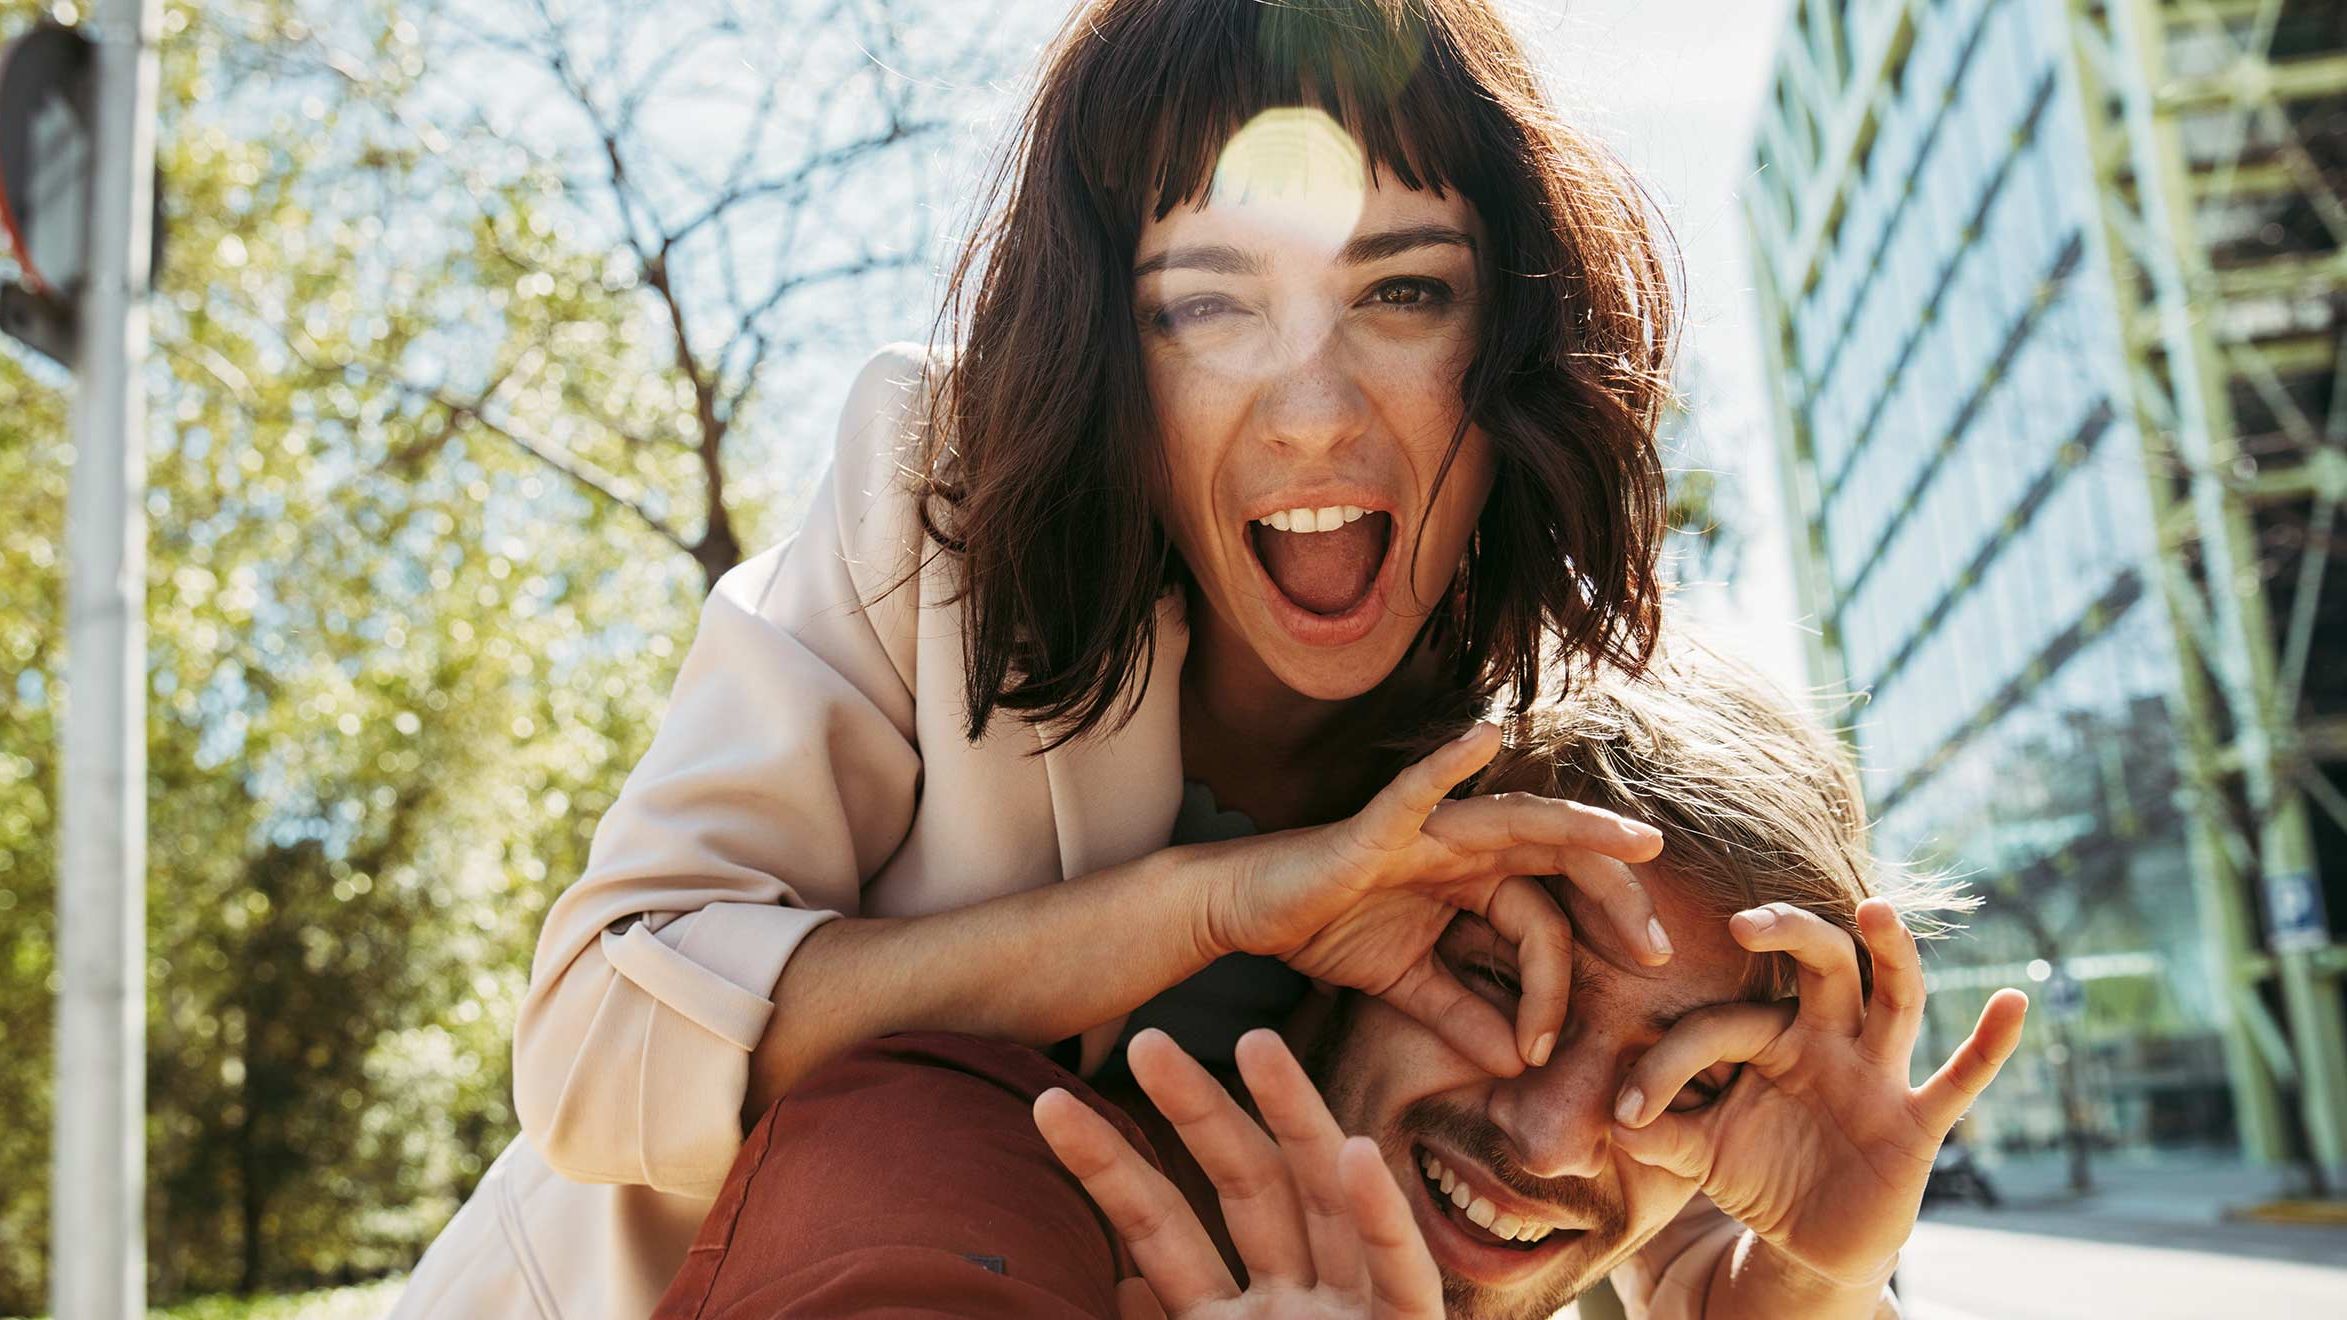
(1360, 250)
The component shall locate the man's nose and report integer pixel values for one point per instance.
(1312, 401)
(1560, 1117)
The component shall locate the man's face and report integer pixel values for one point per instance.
(1536, 1147)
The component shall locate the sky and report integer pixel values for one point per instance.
(1674, 86)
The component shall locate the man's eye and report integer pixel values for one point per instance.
(1494, 975)
(1702, 1093)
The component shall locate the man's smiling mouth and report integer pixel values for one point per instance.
(1476, 1217)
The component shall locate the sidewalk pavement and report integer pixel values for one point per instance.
(1956, 1272)
(2203, 1203)
(2150, 1240)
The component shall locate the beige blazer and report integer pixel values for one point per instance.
(811, 763)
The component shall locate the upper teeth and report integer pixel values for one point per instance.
(1479, 1210)
(1312, 520)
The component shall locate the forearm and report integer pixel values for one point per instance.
(1033, 968)
(1754, 1279)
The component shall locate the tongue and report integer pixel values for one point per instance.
(1325, 572)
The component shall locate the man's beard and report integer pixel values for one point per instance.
(1584, 1198)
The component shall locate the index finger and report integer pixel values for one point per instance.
(1825, 962)
(1733, 1032)
(1494, 821)
(1251, 1179)
(1523, 834)
(1168, 1243)
(1403, 1281)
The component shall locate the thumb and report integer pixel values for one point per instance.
(1400, 809)
(1134, 1301)
(1678, 1144)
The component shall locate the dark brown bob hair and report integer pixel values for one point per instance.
(1043, 466)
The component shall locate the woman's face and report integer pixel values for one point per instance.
(1304, 347)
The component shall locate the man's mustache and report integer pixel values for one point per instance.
(1480, 1140)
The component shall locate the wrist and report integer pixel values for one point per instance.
(1202, 880)
(1789, 1276)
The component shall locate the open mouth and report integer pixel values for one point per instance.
(1327, 563)
(1477, 1218)
(1501, 1251)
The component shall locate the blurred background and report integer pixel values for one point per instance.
(490, 333)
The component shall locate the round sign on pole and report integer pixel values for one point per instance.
(46, 147)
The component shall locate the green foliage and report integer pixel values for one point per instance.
(362, 1302)
(34, 466)
(447, 436)
(396, 670)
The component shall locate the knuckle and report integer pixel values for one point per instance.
(1146, 1222)
(1248, 1185)
(1320, 1203)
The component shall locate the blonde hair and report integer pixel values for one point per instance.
(1756, 801)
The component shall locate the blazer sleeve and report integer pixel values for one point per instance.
(783, 775)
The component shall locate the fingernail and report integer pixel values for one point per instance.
(1760, 918)
(1626, 1109)
(1655, 936)
(1541, 1048)
(1469, 735)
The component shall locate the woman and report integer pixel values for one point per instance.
(1268, 438)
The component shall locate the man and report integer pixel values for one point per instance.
(1794, 1117)
(1764, 1068)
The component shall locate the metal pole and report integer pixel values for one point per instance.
(98, 1179)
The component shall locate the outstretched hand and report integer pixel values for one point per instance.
(1360, 903)
(1819, 1146)
(1318, 1219)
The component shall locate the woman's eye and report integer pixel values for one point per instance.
(1412, 294)
(1181, 315)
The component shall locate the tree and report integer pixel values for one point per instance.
(440, 470)
(750, 186)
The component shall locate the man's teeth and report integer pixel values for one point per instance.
(1313, 520)
(1481, 1212)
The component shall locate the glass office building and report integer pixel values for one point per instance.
(2049, 290)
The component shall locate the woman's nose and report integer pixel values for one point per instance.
(1312, 401)
(1559, 1117)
